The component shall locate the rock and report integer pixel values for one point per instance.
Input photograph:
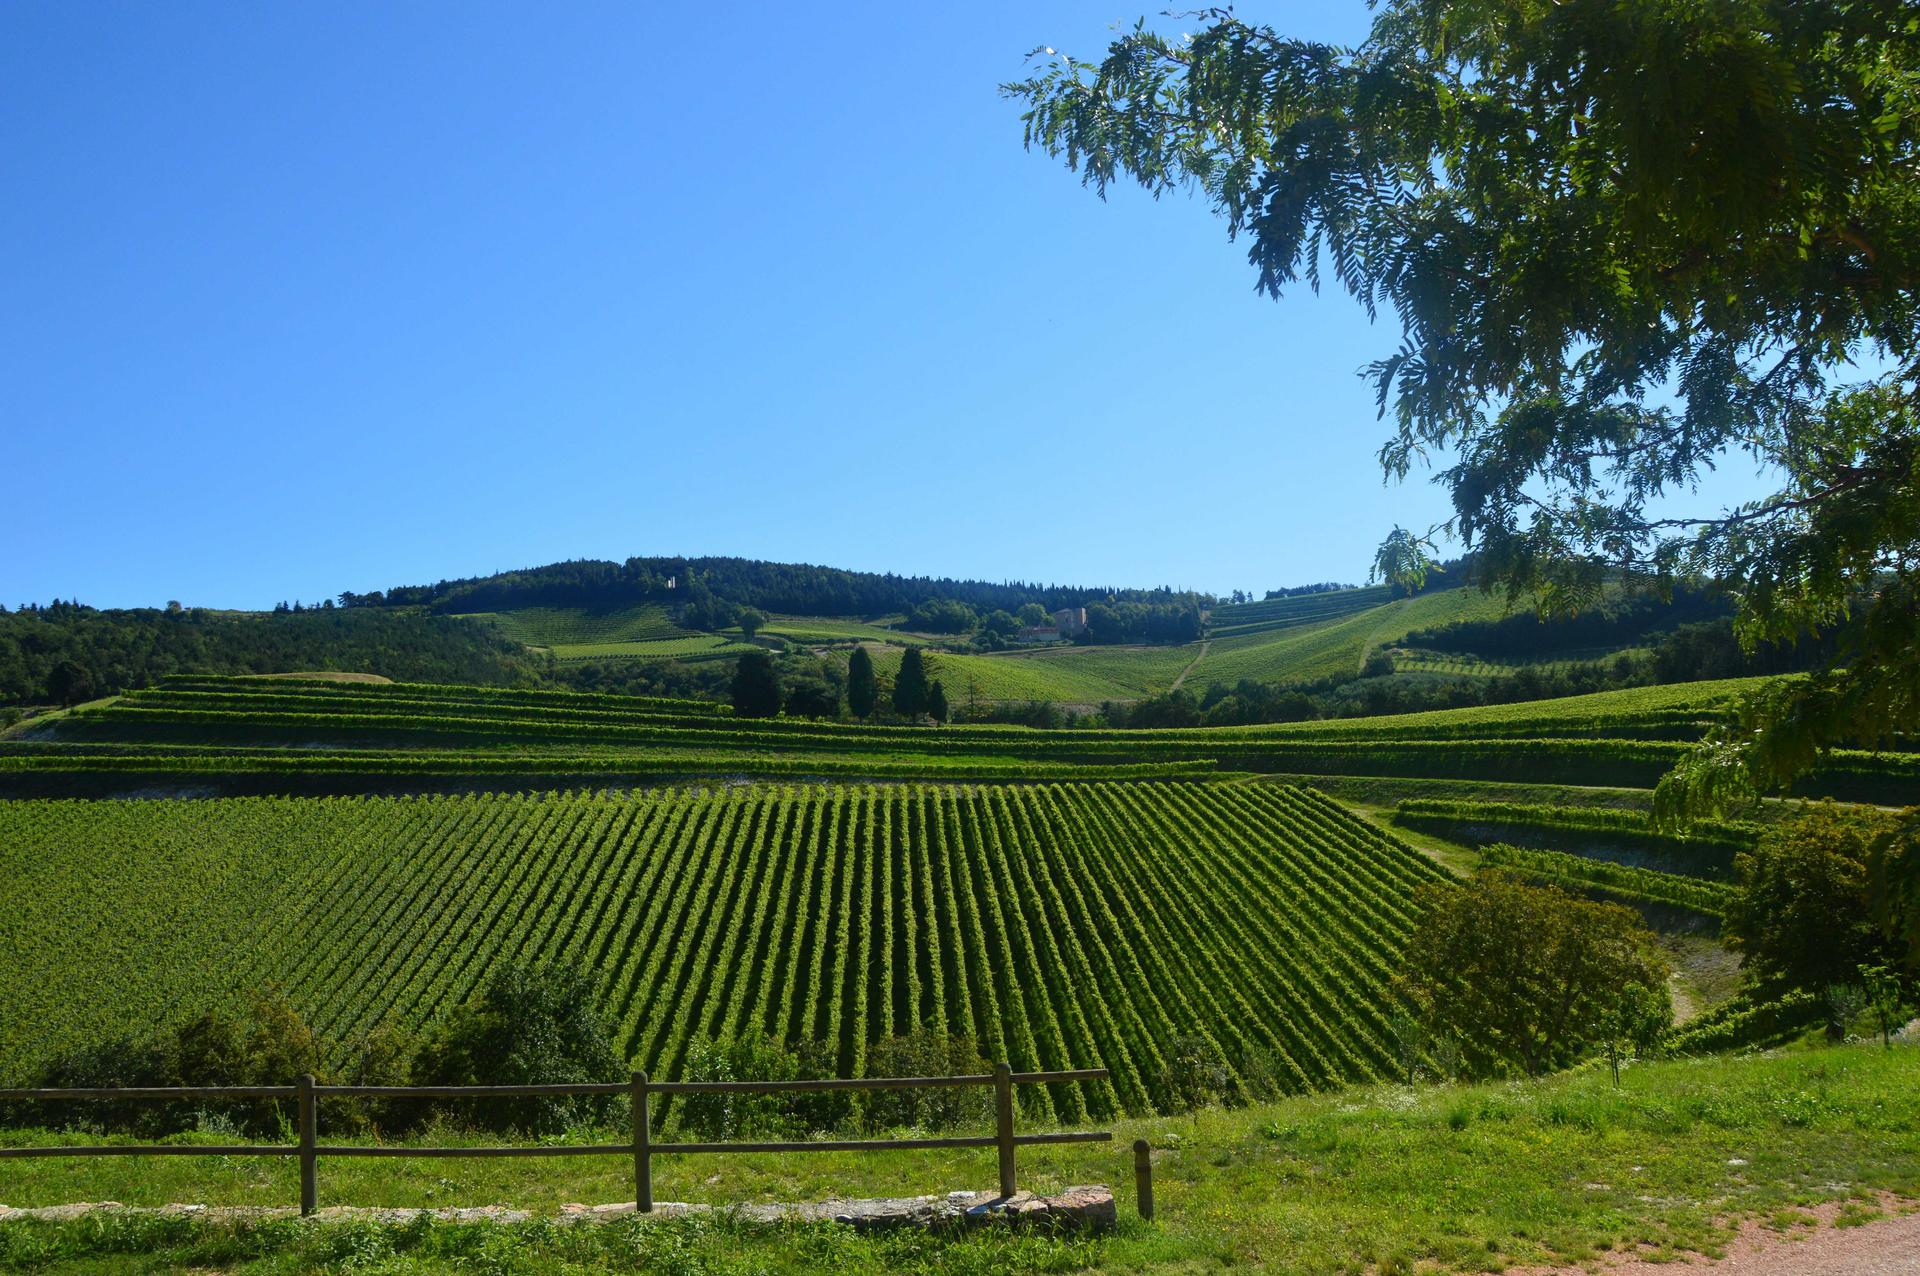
(1074, 1209)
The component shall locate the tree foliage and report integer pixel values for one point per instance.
(756, 686)
(1626, 241)
(910, 684)
(1803, 916)
(530, 1025)
(863, 689)
(1530, 977)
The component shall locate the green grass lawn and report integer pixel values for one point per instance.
(1460, 1178)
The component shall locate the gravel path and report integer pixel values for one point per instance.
(1885, 1247)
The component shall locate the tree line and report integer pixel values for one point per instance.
(66, 653)
(760, 689)
(802, 589)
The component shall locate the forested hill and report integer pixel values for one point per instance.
(801, 589)
(66, 652)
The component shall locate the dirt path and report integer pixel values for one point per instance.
(1808, 1246)
(1198, 657)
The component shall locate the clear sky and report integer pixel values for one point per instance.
(303, 298)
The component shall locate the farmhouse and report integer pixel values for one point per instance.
(1070, 621)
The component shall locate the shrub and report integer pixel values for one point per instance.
(531, 1025)
(125, 1061)
(740, 1115)
(926, 1053)
(1196, 1074)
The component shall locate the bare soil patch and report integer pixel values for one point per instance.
(1879, 1237)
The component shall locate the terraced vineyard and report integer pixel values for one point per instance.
(197, 730)
(1231, 619)
(1061, 925)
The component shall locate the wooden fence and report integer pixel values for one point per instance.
(642, 1148)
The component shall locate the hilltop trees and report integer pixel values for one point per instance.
(1626, 241)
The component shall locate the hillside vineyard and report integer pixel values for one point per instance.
(1065, 925)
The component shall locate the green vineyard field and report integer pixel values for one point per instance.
(1060, 926)
(200, 728)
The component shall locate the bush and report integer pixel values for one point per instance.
(531, 1025)
(745, 1115)
(126, 1061)
(384, 1055)
(927, 1054)
(1196, 1074)
(735, 1115)
(271, 1045)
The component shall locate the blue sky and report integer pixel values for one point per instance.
(310, 298)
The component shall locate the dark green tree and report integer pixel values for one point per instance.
(863, 690)
(910, 684)
(751, 621)
(1803, 916)
(811, 696)
(70, 683)
(1627, 241)
(937, 702)
(1530, 977)
(756, 686)
(530, 1025)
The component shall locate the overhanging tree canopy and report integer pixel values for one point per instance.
(1626, 240)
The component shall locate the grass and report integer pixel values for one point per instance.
(557, 626)
(1069, 675)
(1338, 646)
(825, 631)
(691, 646)
(1455, 1178)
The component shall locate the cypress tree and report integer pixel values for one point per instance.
(910, 684)
(937, 701)
(863, 690)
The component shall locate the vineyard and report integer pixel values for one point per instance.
(1303, 638)
(1060, 925)
(200, 729)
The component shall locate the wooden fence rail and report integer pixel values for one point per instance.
(642, 1147)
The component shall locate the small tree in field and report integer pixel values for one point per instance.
(1631, 1022)
(1530, 977)
(1885, 995)
(937, 702)
(530, 1025)
(863, 689)
(751, 622)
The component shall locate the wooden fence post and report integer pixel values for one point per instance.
(1003, 1124)
(642, 1146)
(309, 1139)
(1143, 1178)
